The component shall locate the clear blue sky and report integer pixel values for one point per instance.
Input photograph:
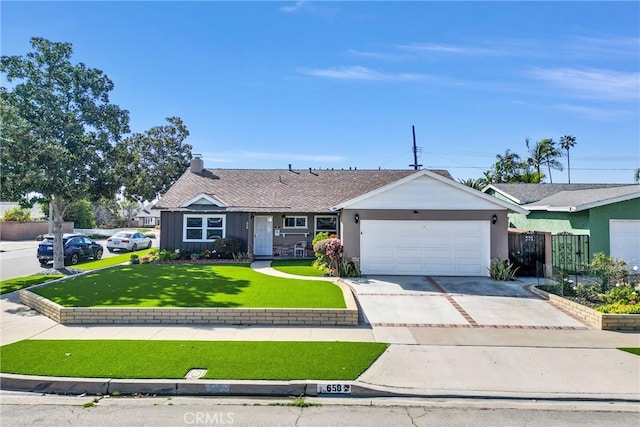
(339, 84)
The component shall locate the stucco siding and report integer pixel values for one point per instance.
(553, 222)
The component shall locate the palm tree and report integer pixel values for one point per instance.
(473, 183)
(507, 167)
(544, 152)
(530, 176)
(567, 142)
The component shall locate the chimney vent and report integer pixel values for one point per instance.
(197, 165)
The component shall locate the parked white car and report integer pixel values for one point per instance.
(128, 240)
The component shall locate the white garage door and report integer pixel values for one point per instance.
(445, 248)
(624, 240)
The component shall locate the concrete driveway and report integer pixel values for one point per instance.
(456, 302)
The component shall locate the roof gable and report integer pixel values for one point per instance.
(203, 199)
(428, 191)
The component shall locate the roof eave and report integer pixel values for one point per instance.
(503, 204)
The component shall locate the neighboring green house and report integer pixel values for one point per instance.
(608, 213)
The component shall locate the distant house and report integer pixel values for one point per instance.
(392, 221)
(147, 216)
(608, 213)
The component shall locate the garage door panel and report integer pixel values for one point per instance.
(624, 240)
(425, 247)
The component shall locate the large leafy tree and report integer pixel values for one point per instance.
(155, 159)
(58, 130)
(567, 142)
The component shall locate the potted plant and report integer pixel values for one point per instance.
(134, 259)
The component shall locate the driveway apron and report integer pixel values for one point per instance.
(455, 302)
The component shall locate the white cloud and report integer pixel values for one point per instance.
(450, 49)
(361, 73)
(297, 6)
(592, 83)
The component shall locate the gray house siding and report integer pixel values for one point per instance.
(172, 231)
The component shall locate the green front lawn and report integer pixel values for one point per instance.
(191, 285)
(633, 350)
(18, 283)
(239, 360)
(108, 262)
(299, 267)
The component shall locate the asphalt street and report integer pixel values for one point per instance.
(18, 259)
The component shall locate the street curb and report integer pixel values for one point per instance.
(169, 387)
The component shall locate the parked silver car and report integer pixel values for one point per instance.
(128, 240)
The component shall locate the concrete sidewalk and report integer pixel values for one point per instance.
(421, 361)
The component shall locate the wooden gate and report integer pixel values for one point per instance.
(570, 253)
(526, 251)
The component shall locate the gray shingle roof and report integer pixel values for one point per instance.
(282, 190)
(577, 200)
(530, 193)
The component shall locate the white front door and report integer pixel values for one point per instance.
(263, 235)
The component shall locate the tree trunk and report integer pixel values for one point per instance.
(58, 220)
(568, 167)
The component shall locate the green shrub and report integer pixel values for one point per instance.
(349, 268)
(320, 249)
(225, 248)
(322, 261)
(134, 259)
(502, 269)
(17, 214)
(619, 308)
(609, 270)
(590, 293)
(624, 294)
(165, 255)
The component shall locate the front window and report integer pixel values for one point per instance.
(203, 228)
(327, 224)
(295, 222)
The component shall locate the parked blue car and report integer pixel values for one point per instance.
(76, 247)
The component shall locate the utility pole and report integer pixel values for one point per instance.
(415, 164)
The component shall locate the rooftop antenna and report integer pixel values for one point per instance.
(416, 150)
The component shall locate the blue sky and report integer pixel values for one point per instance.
(339, 84)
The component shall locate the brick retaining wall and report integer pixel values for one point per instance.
(230, 316)
(604, 321)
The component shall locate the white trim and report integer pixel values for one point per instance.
(505, 194)
(206, 197)
(203, 227)
(503, 204)
(315, 223)
(586, 206)
(296, 227)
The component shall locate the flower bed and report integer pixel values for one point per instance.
(603, 321)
